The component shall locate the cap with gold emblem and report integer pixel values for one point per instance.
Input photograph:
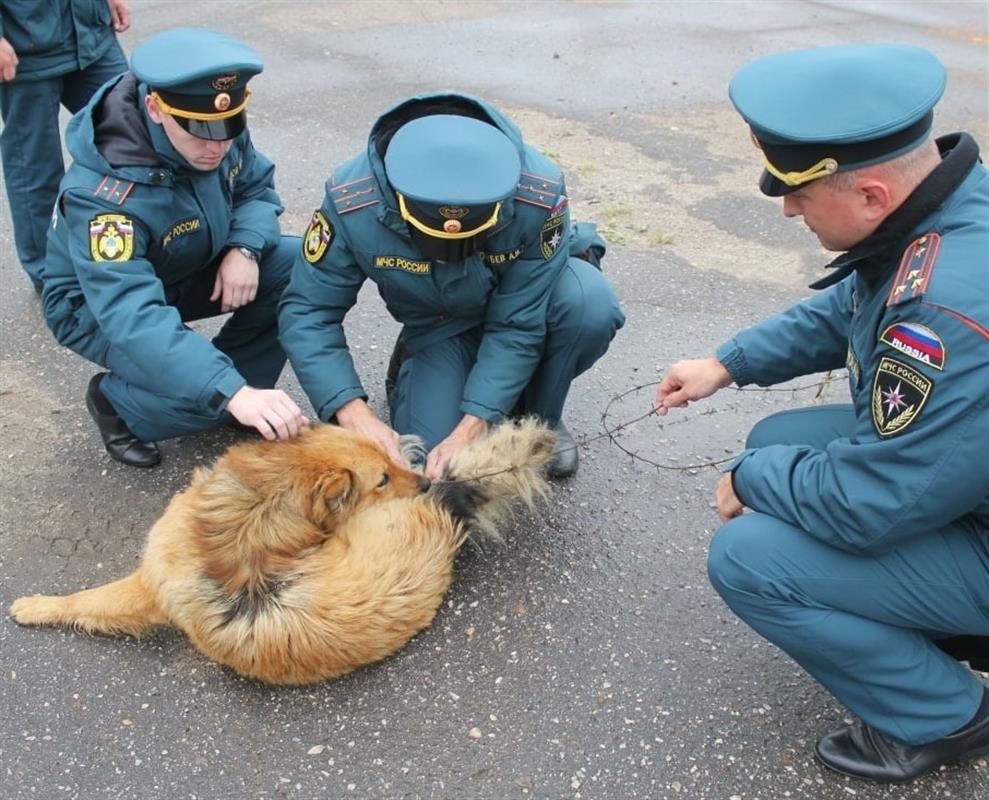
(831, 109)
(199, 77)
(451, 175)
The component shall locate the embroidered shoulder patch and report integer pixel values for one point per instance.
(318, 237)
(915, 269)
(551, 234)
(899, 393)
(111, 237)
(915, 341)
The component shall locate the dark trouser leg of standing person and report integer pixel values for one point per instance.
(31, 148)
(32, 165)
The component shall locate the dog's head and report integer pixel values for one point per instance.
(326, 472)
(354, 472)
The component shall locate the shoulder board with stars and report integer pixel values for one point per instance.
(916, 267)
(113, 190)
(353, 195)
(537, 190)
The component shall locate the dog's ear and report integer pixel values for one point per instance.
(331, 495)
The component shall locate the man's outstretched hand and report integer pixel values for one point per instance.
(690, 380)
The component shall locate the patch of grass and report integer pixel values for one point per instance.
(613, 235)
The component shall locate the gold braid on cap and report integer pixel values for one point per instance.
(823, 168)
(441, 234)
(200, 115)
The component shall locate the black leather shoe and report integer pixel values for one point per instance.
(566, 457)
(863, 752)
(118, 440)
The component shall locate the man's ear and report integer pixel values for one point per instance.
(153, 109)
(877, 199)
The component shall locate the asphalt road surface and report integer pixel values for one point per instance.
(587, 657)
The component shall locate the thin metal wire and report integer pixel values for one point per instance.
(612, 433)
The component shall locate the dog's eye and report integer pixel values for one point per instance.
(384, 481)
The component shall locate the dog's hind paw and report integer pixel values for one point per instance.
(36, 610)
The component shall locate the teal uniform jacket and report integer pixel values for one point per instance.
(358, 234)
(912, 325)
(121, 235)
(50, 43)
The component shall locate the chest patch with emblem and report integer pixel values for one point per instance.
(899, 393)
(318, 237)
(402, 263)
(111, 237)
(915, 341)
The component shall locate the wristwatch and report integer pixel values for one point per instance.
(248, 253)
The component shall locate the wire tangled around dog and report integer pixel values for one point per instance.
(612, 433)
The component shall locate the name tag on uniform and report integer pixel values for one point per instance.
(502, 258)
(404, 264)
(181, 229)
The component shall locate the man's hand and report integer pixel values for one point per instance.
(729, 506)
(119, 15)
(271, 411)
(690, 380)
(358, 417)
(468, 429)
(8, 61)
(236, 281)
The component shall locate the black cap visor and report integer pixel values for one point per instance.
(793, 157)
(447, 250)
(215, 130)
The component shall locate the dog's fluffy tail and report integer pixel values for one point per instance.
(483, 480)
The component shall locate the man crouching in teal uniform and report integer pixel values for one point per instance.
(168, 214)
(466, 231)
(866, 553)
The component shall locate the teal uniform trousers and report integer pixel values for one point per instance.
(863, 625)
(582, 317)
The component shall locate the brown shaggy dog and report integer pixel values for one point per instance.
(292, 562)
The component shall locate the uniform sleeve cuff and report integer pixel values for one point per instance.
(486, 413)
(737, 475)
(733, 359)
(339, 400)
(219, 394)
(249, 239)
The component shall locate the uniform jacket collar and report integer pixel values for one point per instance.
(959, 153)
